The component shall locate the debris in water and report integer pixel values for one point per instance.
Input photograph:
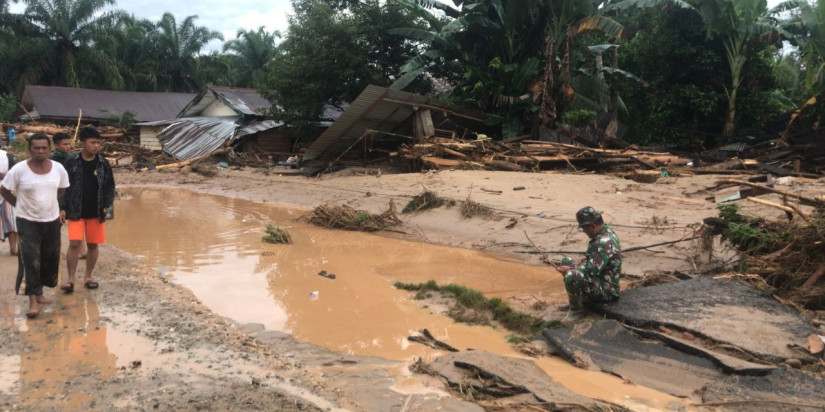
(276, 234)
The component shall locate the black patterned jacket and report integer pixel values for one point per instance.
(72, 200)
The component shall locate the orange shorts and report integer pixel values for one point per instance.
(92, 228)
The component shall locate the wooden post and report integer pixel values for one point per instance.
(423, 124)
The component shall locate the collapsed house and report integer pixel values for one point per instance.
(380, 121)
(219, 117)
(63, 105)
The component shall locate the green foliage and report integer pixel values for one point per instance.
(276, 234)
(8, 105)
(251, 53)
(55, 44)
(473, 299)
(20, 146)
(685, 104)
(505, 76)
(330, 55)
(578, 118)
(178, 45)
(749, 234)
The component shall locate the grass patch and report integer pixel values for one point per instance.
(424, 201)
(475, 301)
(344, 217)
(470, 209)
(276, 234)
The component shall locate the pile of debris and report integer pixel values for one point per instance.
(534, 155)
(788, 255)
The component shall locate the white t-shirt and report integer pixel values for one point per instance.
(36, 194)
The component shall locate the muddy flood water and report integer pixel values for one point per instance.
(212, 245)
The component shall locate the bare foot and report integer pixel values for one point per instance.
(42, 299)
(32, 313)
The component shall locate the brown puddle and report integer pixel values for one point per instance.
(212, 245)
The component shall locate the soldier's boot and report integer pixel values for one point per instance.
(576, 311)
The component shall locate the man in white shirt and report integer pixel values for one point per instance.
(32, 187)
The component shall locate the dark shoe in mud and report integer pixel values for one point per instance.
(68, 287)
(331, 276)
(322, 273)
(90, 284)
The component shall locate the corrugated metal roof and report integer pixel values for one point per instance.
(384, 110)
(247, 102)
(256, 127)
(190, 137)
(63, 103)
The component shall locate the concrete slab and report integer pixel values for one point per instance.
(506, 375)
(726, 310)
(729, 364)
(607, 346)
(781, 390)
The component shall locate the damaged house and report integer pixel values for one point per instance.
(221, 117)
(381, 120)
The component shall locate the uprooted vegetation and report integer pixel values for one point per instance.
(789, 256)
(344, 217)
(276, 234)
(470, 209)
(424, 201)
(472, 307)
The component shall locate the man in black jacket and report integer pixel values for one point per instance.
(86, 203)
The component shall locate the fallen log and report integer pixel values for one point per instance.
(455, 153)
(503, 165)
(27, 128)
(814, 277)
(192, 161)
(441, 162)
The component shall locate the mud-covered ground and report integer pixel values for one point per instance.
(177, 355)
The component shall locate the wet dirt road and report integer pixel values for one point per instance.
(212, 245)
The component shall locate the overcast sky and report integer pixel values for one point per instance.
(221, 15)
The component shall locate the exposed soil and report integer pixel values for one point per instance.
(217, 365)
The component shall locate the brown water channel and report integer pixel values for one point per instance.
(212, 245)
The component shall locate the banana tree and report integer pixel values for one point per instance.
(501, 49)
(736, 23)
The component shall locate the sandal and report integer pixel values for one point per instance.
(90, 284)
(68, 287)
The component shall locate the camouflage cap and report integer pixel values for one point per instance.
(587, 215)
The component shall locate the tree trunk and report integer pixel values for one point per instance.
(731, 118)
(612, 130)
(547, 112)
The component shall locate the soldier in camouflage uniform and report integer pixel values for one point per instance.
(596, 276)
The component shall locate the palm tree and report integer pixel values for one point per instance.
(179, 44)
(134, 44)
(253, 51)
(736, 23)
(61, 49)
